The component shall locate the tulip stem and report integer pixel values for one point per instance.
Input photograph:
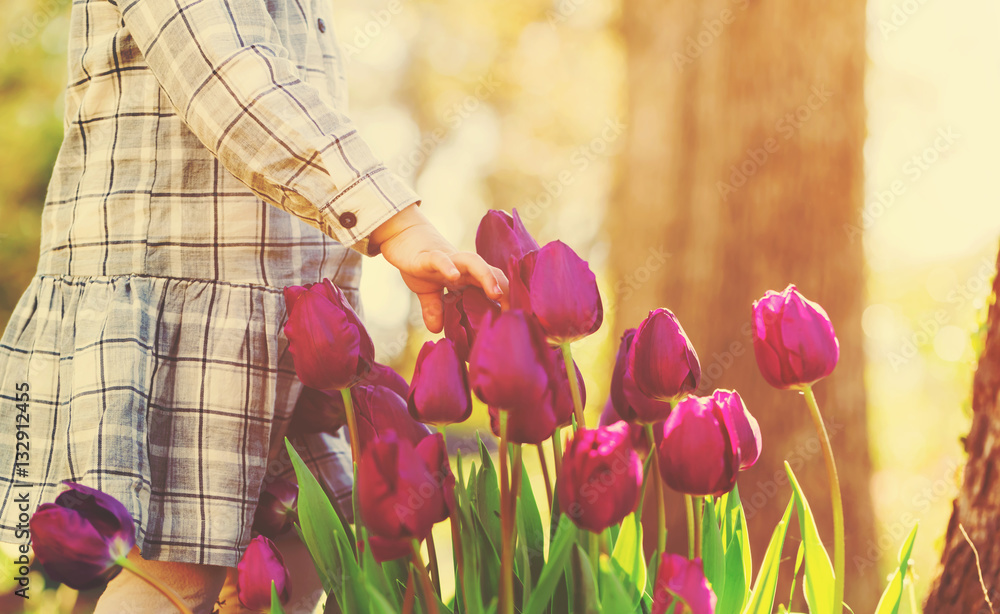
(456, 538)
(352, 429)
(699, 518)
(545, 472)
(835, 499)
(647, 477)
(507, 537)
(661, 506)
(689, 507)
(425, 580)
(574, 386)
(163, 588)
(557, 451)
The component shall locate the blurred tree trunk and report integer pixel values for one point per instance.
(977, 509)
(742, 172)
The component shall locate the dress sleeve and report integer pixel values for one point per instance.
(224, 68)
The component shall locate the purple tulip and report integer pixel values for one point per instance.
(745, 426)
(319, 411)
(630, 403)
(463, 312)
(435, 454)
(510, 366)
(332, 349)
(262, 564)
(560, 289)
(699, 445)
(684, 581)
(793, 339)
(379, 410)
(439, 393)
(277, 508)
(389, 549)
(532, 424)
(399, 496)
(501, 237)
(662, 360)
(79, 538)
(601, 477)
(637, 433)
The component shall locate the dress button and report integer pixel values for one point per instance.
(321, 25)
(348, 220)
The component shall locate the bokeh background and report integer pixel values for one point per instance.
(609, 124)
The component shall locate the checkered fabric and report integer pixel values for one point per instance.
(151, 334)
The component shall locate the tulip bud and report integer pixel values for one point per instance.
(637, 434)
(746, 429)
(560, 289)
(277, 508)
(630, 403)
(662, 360)
(389, 549)
(678, 577)
(501, 237)
(435, 454)
(601, 477)
(700, 450)
(510, 366)
(439, 393)
(79, 538)
(399, 496)
(331, 347)
(379, 410)
(262, 564)
(322, 411)
(531, 424)
(793, 339)
(463, 312)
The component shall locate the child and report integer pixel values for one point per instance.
(206, 163)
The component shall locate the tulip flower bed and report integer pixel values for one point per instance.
(579, 551)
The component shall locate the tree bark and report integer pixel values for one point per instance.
(977, 509)
(743, 171)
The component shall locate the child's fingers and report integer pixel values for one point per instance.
(490, 279)
(432, 308)
(437, 263)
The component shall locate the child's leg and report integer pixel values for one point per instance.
(307, 590)
(197, 585)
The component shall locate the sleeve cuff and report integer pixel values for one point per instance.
(363, 206)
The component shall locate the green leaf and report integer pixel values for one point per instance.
(530, 536)
(486, 496)
(762, 598)
(818, 581)
(375, 577)
(321, 529)
(585, 596)
(736, 594)
(628, 558)
(712, 553)
(614, 596)
(275, 601)
(893, 595)
(559, 553)
(379, 603)
(799, 556)
(489, 559)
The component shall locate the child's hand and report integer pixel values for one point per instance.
(429, 263)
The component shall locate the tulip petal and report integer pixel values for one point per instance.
(70, 548)
(697, 454)
(439, 393)
(510, 364)
(261, 564)
(679, 578)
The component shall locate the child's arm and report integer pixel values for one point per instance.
(226, 71)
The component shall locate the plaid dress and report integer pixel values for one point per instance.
(206, 163)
